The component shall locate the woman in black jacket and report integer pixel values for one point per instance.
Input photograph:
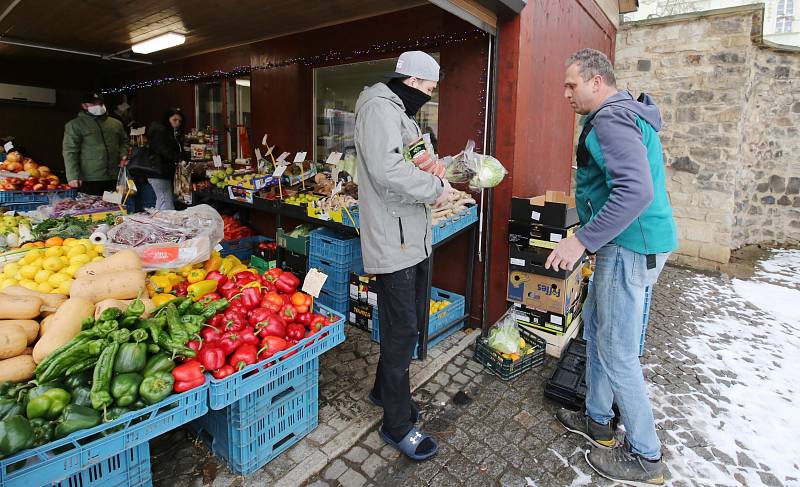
(166, 141)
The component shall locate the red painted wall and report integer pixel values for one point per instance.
(535, 126)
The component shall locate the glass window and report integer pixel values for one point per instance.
(240, 119)
(210, 119)
(785, 12)
(336, 91)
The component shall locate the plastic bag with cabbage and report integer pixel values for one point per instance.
(504, 336)
(478, 170)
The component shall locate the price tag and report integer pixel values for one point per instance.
(313, 282)
(137, 132)
(217, 161)
(112, 197)
(337, 189)
(334, 158)
(300, 157)
(279, 170)
(555, 237)
(519, 262)
(282, 157)
(8, 146)
(264, 140)
(258, 154)
(240, 194)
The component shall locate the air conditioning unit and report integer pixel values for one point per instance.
(27, 94)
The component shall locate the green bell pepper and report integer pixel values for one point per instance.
(49, 405)
(16, 434)
(109, 314)
(139, 404)
(156, 387)
(87, 323)
(131, 357)
(135, 308)
(114, 413)
(128, 322)
(77, 380)
(5, 386)
(76, 418)
(160, 362)
(43, 431)
(125, 388)
(10, 407)
(103, 371)
(82, 396)
(41, 389)
(192, 323)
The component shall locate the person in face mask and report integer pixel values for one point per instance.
(395, 197)
(95, 146)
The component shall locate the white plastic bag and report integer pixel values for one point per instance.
(478, 170)
(504, 336)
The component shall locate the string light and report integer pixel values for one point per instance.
(433, 41)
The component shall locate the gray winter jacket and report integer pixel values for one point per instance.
(393, 193)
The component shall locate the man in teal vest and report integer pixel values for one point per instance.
(626, 221)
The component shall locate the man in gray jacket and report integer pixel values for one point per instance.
(394, 195)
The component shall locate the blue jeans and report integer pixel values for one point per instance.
(612, 329)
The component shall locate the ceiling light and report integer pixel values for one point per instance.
(164, 41)
(243, 82)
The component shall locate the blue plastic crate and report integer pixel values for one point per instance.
(243, 248)
(35, 196)
(130, 468)
(337, 302)
(26, 206)
(62, 458)
(355, 221)
(454, 224)
(334, 247)
(338, 281)
(437, 321)
(224, 392)
(248, 448)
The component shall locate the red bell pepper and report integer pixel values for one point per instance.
(295, 331)
(287, 283)
(188, 376)
(288, 313)
(272, 301)
(212, 357)
(257, 316)
(234, 320)
(291, 344)
(209, 298)
(217, 321)
(272, 275)
(302, 302)
(244, 277)
(228, 289)
(194, 345)
(229, 342)
(248, 336)
(304, 319)
(270, 345)
(223, 372)
(245, 355)
(318, 322)
(210, 335)
(251, 297)
(181, 289)
(217, 276)
(287, 299)
(273, 326)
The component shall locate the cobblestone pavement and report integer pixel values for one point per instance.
(496, 433)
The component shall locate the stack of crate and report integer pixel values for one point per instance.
(336, 255)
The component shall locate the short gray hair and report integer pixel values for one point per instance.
(592, 62)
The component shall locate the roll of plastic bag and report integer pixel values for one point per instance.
(99, 235)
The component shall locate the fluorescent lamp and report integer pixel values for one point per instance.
(164, 41)
(243, 82)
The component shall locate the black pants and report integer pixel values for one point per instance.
(97, 187)
(401, 313)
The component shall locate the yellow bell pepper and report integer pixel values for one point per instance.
(201, 288)
(161, 284)
(214, 262)
(175, 278)
(151, 291)
(228, 263)
(185, 270)
(237, 269)
(162, 298)
(196, 275)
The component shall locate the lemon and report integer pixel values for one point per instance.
(72, 269)
(54, 252)
(18, 276)
(58, 279)
(79, 259)
(64, 259)
(64, 288)
(29, 257)
(28, 284)
(98, 258)
(44, 287)
(92, 254)
(99, 249)
(76, 250)
(11, 269)
(28, 271)
(42, 276)
(53, 264)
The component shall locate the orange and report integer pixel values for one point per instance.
(28, 245)
(68, 241)
(54, 242)
(39, 245)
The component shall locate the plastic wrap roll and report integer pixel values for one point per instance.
(99, 236)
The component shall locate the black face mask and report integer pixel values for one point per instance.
(412, 98)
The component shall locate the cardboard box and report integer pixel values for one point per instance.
(362, 289)
(554, 208)
(532, 260)
(362, 315)
(553, 294)
(545, 320)
(298, 245)
(556, 342)
(526, 234)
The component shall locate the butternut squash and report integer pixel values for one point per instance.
(43, 324)
(124, 260)
(122, 304)
(12, 341)
(17, 369)
(49, 301)
(121, 285)
(19, 307)
(62, 326)
(30, 327)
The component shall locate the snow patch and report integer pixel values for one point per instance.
(781, 302)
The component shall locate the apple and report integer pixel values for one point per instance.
(44, 170)
(38, 187)
(13, 166)
(15, 157)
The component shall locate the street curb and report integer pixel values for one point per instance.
(346, 439)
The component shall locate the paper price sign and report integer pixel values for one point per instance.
(282, 157)
(334, 158)
(300, 157)
(264, 140)
(336, 189)
(217, 161)
(279, 170)
(240, 194)
(138, 131)
(8, 146)
(258, 154)
(313, 282)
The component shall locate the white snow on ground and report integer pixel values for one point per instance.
(752, 373)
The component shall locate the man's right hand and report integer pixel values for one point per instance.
(442, 199)
(75, 183)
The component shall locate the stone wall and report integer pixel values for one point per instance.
(730, 107)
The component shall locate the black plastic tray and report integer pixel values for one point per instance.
(508, 369)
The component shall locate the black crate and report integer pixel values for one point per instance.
(505, 368)
(296, 263)
(567, 385)
(526, 234)
(546, 210)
